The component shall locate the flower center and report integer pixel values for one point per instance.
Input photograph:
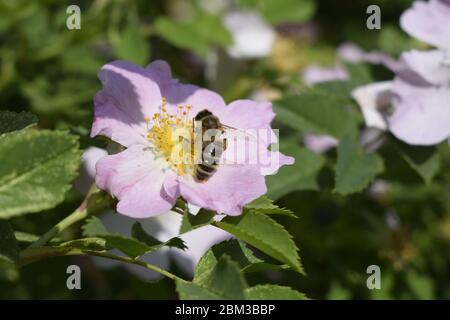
(172, 136)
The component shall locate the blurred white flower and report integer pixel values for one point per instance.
(252, 36)
(162, 227)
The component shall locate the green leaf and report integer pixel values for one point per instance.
(424, 160)
(421, 285)
(25, 237)
(139, 233)
(30, 238)
(192, 291)
(94, 226)
(275, 11)
(296, 11)
(12, 121)
(355, 169)
(132, 45)
(264, 234)
(265, 206)
(273, 292)
(9, 248)
(316, 112)
(238, 252)
(191, 222)
(133, 248)
(393, 41)
(359, 73)
(197, 35)
(224, 281)
(36, 171)
(302, 175)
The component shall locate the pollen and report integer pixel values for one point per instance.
(171, 135)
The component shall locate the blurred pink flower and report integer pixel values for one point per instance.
(319, 143)
(429, 22)
(141, 108)
(421, 95)
(317, 74)
(350, 52)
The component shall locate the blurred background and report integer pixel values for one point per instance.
(244, 48)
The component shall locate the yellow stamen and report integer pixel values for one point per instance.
(172, 137)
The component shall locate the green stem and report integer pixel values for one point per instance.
(76, 216)
(139, 263)
(30, 255)
(89, 206)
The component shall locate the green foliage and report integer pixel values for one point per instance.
(198, 35)
(265, 206)
(238, 252)
(191, 222)
(132, 45)
(272, 292)
(9, 248)
(302, 175)
(282, 11)
(11, 121)
(223, 281)
(265, 234)
(134, 247)
(423, 160)
(401, 224)
(355, 169)
(218, 276)
(316, 112)
(37, 167)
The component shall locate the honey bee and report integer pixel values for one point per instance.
(212, 150)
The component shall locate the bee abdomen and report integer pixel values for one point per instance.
(204, 172)
(202, 114)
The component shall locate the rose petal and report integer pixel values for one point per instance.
(249, 144)
(87, 170)
(227, 191)
(422, 114)
(430, 65)
(136, 178)
(114, 123)
(128, 96)
(429, 22)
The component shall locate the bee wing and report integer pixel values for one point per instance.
(240, 131)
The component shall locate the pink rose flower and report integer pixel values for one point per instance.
(429, 22)
(142, 109)
(162, 227)
(420, 98)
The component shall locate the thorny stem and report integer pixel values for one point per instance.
(30, 255)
